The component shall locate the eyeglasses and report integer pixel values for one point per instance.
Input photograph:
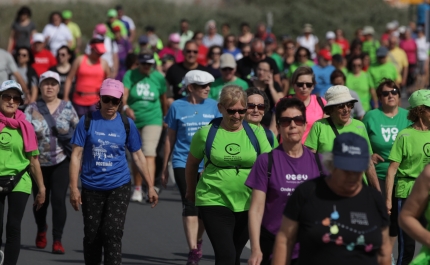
(257, 54)
(146, 64)
(7, 98)
(192, 51)
(107, 100)
(22, 55)
(286, 121)
(62, 54)
(349, 105)
(226, 69)
(357, 65)
(233, 111)
(303, 84)
(259, 106)
(393, 92)
(201, 86)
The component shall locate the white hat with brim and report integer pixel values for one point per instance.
(11, 84)
(198, 77)
(336, 95)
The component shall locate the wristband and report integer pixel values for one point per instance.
(125, 107)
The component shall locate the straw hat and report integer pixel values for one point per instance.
(337, 95)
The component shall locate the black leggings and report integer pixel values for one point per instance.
(104, 217)
(227, 231)
(56, 180)
(188, 208)
(16, 202)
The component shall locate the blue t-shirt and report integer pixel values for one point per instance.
(421, 13)
(185, 119)
(322, 77)
(104, 164)
(237, 53)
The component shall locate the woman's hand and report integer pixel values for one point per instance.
(376, 158)
(130, 113)
(153, 197)
(40, 198)
(389, 205)
(165, 177)
(75, 199)
(256, 258)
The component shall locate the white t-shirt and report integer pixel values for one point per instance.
(308, 43)
(129, 21)
(422, 48)
(107, 56)
(58, 36)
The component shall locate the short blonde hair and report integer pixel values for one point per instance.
(231, 94)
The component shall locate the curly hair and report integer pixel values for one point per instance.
(415, 113)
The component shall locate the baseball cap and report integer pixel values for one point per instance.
(174, 37)
(49, 74)
(143, 39)
(307, 28)
(336, 95)
(382, 51)
(330, 35)
(326, 54)
(112, 13)
(420, 98)
(227, 61)
(167, 57)
(146, 58)
(112, 87)
(99, 47)
(11, 84)
(269, 40)
(38, 37)
(198, 77)
(368, 30)
(116, 28)
(100, 29)
(351, 152)
(66, 14)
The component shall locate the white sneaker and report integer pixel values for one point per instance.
(136, 197)
(1, 257)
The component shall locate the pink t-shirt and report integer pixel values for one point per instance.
(410, 48)
(314, 112)
(179, 57)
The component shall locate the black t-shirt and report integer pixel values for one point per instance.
(334, 229)
(63, 77)
(267, 118)
(175, 76)
(247, 68)
(215, 72)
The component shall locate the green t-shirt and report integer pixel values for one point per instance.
(360, 84)
(226, 187)
(411, 150)
(217, 86)
(295, 65)
(279, 61)
(370, 47)
(275, 141)
(121, 25)
(378, 72)
(336, 49)
(382, 131)
(76, 33)
(144, 96)
(13, 158)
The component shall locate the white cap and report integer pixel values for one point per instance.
(402, 30)
(38, 37)
(391, 26)
(198, 77)
(11, 84)
(337, 95)
(330, 35)
(368, 30)
(227, 61)
(49, 74)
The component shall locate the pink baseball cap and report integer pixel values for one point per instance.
(100, 29)
(112, 87)
(174, 37)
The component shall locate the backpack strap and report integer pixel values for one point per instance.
(88, 118)
(333, 127)
(321, 103)
(269, 164)
(126, 126)
(251, 135)
(318, 160)
(269, 136)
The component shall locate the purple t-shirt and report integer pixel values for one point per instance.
(287, 174)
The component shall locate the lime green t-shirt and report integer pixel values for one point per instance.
(336, 49)
(14, 159)
(411, 150)
(382, 131)
(76, 33)
(278, 60)
(226, 187)
(370, 47)
(295, 65)
(360, 84)
(144, 96)
(217, 86)
(378, 72)
(121, 25)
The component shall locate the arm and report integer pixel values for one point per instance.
(384, 254)
(74, 168)
(374, 98)
(191, 170)
(78, 45)
(276, 96)
(106, 68)
(132, 35)
(272, 126)
(142, 166)
(389, 183)
(255, 214)
(284, 243)
(11, 41)
(36, 172)
(70, 77)
(115, 65)
(20, 80)
(34, 92)
(372, 177)
(128, 111)
(168, 148)
(404, 73)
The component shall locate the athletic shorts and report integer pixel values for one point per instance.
(150, 137)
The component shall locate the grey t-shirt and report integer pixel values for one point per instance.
(7, 65)
(23, 34)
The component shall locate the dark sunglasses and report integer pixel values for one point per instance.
(7, 98)
(201, 86)
(259, 106)
(286, 121)
(257, 54)
(192, 51)
(22, 55)
(233, 111)
(349, 105)
(226, 69)
(393, 92)
(108, 99)
(303, 84)
(146, 64)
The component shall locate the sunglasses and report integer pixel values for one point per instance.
(257, 54)
(201, 86)
(22, 55)
(286, 121)
(107, 100)
(259, 106)
(393, 92)
(192, 51)
(349, 105)
(7, 98)
(62, 54)
(233, 111)
(226, 69)
(303, 84)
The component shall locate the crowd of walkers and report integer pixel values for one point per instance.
(291, 143)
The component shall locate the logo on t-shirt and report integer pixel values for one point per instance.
(5, 138)
(232, 149)
(294, 177)
(389, 132)
(359, 218)
(426, 149)
(101, 153)
(143, 90)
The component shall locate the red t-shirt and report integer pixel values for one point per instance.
(201, 55)
(43, 60)
(344, 44)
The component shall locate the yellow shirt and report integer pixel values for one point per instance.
(398, 57)
(76, 33)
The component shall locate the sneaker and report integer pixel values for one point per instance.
(57, 248)
(137, 196)
(1, 257)
(193, 257)
(41, 239)
(199, 248)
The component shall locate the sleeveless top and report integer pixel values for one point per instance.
(89, 79)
